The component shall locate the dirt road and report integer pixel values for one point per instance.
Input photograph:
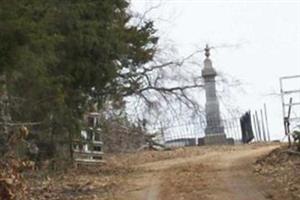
(224, 174)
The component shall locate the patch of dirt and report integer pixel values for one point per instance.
(282, 171)
(197, 173)
(225, 175)
(143, 157)
(87, 183)
(185, 182)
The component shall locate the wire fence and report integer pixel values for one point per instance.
(191, 134)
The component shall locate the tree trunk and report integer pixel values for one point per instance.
(4, 114)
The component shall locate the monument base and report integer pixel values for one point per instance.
(214, 139)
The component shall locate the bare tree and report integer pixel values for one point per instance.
(171, 92)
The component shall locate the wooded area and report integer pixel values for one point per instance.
(60, 57)
(72, 68)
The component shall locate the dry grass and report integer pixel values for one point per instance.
(175, 185)
(282, 171)
(111, 180)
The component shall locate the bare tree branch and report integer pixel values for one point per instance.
(168, 90)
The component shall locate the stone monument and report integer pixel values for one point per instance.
(214, 131)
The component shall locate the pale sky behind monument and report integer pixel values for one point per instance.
(259, 42)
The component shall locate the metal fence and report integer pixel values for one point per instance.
(290, 99)
(191, 134)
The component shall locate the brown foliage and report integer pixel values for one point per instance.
(281, 169)
(122, 138)
(12, 184)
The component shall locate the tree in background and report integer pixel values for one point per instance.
(56, 56)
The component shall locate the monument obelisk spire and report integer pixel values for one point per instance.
(214, 131)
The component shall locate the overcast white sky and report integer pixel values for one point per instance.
(268, 33)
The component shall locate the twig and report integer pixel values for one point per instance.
(22, 124)
(290, 151)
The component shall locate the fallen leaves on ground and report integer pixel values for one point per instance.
(175, 185)
(96, 182)
(282, 171)
(12, 184)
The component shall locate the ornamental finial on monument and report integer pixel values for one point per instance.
(207, 53)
